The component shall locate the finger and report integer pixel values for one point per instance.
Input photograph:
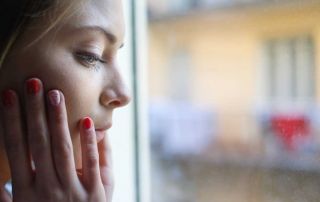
(61, 143)
(38, 134)
(105, 160)
(106, 168)
(15, 141)
(4, 195)
(90, 155)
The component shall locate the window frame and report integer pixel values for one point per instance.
(129, 136)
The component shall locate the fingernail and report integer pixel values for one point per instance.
(33, 86)
(54, 97)
(7, 98)
(87, 124)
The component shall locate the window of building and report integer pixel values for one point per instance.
(290, 70)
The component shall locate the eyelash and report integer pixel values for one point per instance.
(90, 59)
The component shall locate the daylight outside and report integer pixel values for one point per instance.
(234, 100)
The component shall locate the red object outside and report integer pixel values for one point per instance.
(290, 128)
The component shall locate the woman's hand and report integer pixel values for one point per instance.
(44, 139)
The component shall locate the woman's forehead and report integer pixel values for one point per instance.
(105, 15)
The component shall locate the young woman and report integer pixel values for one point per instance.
(60, 84)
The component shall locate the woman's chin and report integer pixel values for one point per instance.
(100, 134)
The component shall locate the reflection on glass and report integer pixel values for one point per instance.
(234, 100)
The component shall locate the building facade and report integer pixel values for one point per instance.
(252, 62)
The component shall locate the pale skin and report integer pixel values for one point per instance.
(75, 64)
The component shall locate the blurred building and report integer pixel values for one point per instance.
(255, 62)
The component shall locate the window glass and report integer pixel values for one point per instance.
(122, 132)
(234, 100)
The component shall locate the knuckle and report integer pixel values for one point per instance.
(58, 195)
(13, 139)
(36, 126)
(92, 152)
(18, 188)
(38, 143)
(52, 193)
(12, 118)
(107, 178)
(110, 183)
(64, 150)
(109, 151)
(37, 136)
(14, 145)
(90, 140)
(59, 118)
(92, 160)
(34, 105)
(14, 149)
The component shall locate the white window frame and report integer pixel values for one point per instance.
(129, 137)
(284, 96)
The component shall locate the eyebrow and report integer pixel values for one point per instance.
(108, 34)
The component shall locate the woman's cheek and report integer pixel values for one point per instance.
(80, 102)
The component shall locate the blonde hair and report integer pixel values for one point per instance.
(55, 10)
(8, 45)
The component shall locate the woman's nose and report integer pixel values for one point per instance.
(115, 95)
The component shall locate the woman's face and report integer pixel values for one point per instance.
(78, 58)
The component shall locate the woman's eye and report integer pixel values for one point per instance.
(89, 59)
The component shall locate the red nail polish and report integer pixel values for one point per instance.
(33, 86)
(87, 124)
(7, 98)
